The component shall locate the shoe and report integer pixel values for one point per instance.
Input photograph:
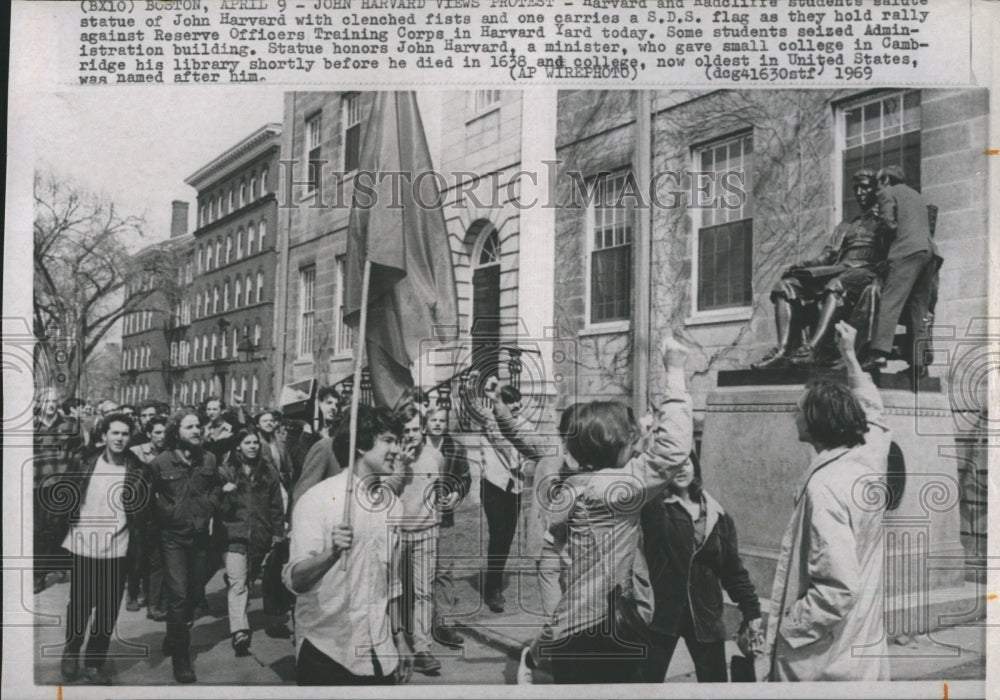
(132, 605)
(525, 676)
(183, 673)
(494, 601)
(803, 357)
(95, 676)
(70, 666)
(155, 614)
(424, 662)
(241, 642)
(141, 600)
(446, 635)
(772, 360)
(875, 363)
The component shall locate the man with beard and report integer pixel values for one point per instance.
(187, 490)
(146, 567)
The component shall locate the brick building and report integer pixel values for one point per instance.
(150, 327)
(710, 267)
(229, 338)
(479, 146)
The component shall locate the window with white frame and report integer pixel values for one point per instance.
(223, 346)
(260, 287)
(188, 270)
(204, 346)
(208, 257)
(229, 248)
(197, 346)
(251, 232)
(254, 390)
(243, 192)
(258, 332)
(249, 298)
(345, 334)
(218, 251)
(263, 181)
(879, 131)
(724, 240)
(243, 388)
(230, 199)
(239, 243)
(483, 100)
(307, 309)
(236, 343)
(236, 296)
(215, 300)
(215, 344)
(225, 296)
(351, 116)
(201, 259)
(253, 187)
(313, 151)
(261, 235)
(609, 228)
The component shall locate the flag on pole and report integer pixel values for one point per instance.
(397, 225)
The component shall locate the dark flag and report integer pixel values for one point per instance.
(396, 223)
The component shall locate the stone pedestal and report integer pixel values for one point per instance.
(752, 461)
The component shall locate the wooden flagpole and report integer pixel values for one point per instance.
(359, 349)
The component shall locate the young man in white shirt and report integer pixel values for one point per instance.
(99, 533)
(342, 627)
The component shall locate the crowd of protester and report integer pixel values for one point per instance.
(632, 553)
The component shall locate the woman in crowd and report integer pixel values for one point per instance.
(692, 552)
(253, 517)
(617, 475)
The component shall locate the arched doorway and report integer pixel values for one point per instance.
(485, 322)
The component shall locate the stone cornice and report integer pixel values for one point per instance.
(255, 144)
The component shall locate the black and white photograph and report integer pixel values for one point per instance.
(564, 384)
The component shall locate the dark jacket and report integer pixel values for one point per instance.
(904, 213)
(688, 578)
(185, 495)
(135, 495)
(457, 476)
(253, 513)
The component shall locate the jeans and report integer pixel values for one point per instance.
(594, 656)
(502, 510)
(184, 574)
(96, 585)
(313, 667)
(242, 572)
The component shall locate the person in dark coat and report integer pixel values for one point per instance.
(186, 493)
(692, 554)
(913, 262)
(253, 518)
(109, 496)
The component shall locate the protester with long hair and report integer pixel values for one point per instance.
(186, 492)
(617, 474)
(692, 552)
(253, 518)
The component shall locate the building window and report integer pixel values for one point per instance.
(223, 347)
(352, 130)
(188, 276)
(261, 235)
(313, 151)
(610, 237)
(125, 360)
(254, 390)
(257, 333)
(197, 345)
(880, 131)
(215, 343)
(260, 287)
(225, 296)
(243, 388)
(243, 193)
(215, 300)
(307, 306)
(249, 290)
(230, 199)
(236, 293)
(229, 248)
(483, 100)
(251, 232)
(263, 182)
(218, 251)
(345, 334)
(208, 258)
(724, 255)
(253, 187)
(239, 244)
